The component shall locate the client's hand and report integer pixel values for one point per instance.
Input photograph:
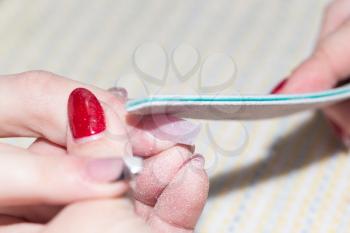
(67, 179)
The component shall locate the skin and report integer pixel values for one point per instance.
(44, 188)
(328, 65)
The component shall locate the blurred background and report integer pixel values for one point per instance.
(287, 175)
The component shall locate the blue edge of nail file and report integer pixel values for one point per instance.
(236, 107)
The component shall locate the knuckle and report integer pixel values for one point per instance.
(35, 80)
(34, 88)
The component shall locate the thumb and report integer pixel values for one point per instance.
(95, 130)
(91, 216)
(324, 69)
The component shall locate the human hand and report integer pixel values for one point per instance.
(46, 177)
(328, 66)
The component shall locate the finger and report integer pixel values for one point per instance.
(156, 131)
(6, 220)
(335, 15)
(13, 225)
(92, 216)
(31, 213)
(158, 172)
(44, 147)
(38, 103)
(55, 179)
(328, 65)
(326, 68)
(95, 131)
(37, 213)
(181, 203)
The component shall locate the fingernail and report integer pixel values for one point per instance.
(198, 161)
(106, 170)
(170, 128)
(279, 87)
(119, 92)
(85, 113)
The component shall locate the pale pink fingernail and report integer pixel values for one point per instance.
(170, 128)
(198, 161)
(106, 170)
(119, 92)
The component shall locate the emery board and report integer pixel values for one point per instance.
(250, 107)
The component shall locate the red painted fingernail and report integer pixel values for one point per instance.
(279, 86)
(85, 113)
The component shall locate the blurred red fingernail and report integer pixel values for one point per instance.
(85, 113)
(279, 87)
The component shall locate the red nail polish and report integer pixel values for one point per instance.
(279, 86)
(85, 113)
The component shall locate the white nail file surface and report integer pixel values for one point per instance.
(236, 107)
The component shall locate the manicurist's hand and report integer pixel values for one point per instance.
(328, 66)
(72, 178)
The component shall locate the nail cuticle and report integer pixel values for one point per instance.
(89, 138)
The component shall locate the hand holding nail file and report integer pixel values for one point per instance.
(236, 107)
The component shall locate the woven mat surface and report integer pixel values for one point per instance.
(289, 174)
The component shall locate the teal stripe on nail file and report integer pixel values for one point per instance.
(268, 98)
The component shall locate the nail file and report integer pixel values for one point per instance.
(252, 107)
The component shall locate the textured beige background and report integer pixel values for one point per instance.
(290, 177)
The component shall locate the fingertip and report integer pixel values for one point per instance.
(86, 178)
(183, 200)
(158, 172)
(313, 75)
